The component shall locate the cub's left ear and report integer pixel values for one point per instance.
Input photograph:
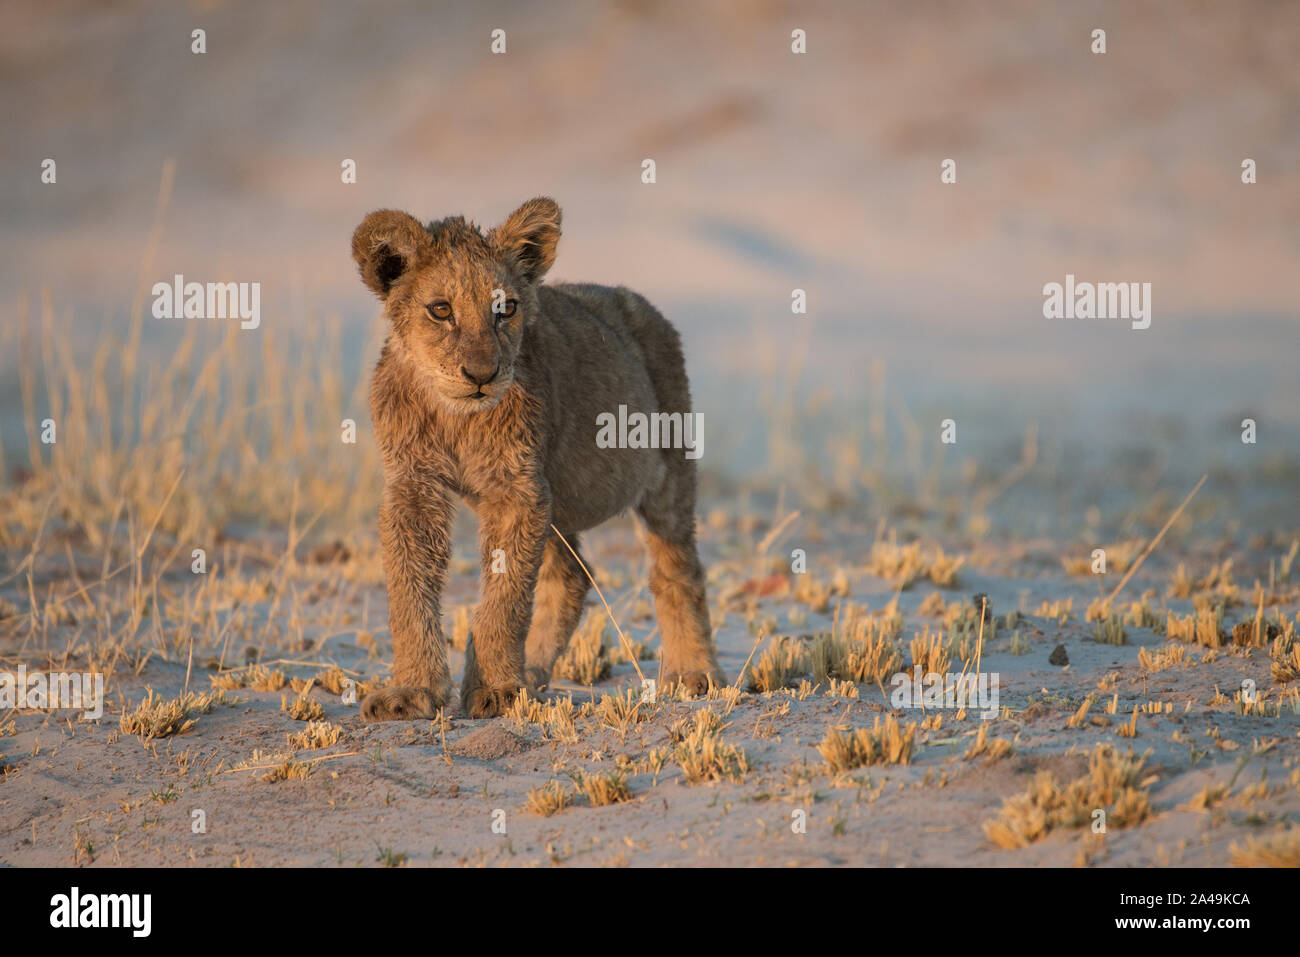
(385, 246)
(529, 236)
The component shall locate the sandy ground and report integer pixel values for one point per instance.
(423, 794)
(776, 172)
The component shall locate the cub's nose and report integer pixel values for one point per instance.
(480, 377)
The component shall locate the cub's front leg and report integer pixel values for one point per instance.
(415, 536)
(513, 527)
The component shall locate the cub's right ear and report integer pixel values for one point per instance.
(384, 246)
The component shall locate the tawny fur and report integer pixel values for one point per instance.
(501, 411)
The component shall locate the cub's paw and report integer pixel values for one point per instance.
(694, 683)
(537, 679)
(400, 703)
(489, 702)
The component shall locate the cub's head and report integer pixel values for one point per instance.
(458, 299)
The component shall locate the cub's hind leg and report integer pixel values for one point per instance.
(562, 588)
(676, 575)
(677, 581)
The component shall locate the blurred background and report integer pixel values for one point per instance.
(775, 171)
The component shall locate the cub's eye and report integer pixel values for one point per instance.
(439, 310)
(507, 308)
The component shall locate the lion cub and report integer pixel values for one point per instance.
(489, 388)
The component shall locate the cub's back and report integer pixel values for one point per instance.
(617, 307)
(597, 348)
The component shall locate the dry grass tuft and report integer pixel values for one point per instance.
(1077, 719)
(1130, 728)
(1275, 850)
(841, 689)
(1208, 798)
(933, 606)
(554, 717)
(288, 771)
(1168, 656)
(1139, 614)
(1284, 659)
(843, 749)
(587, 659)
(549, 799)
(161, 718)
(621, 711)
(784, 660)
(860, 648)
(943, 568)
(994, 749)
(1097, 610)
(525, 709)
(704, 756)
(1113, 784)
(317, 735)
(256, 678)
(902, 565)
(302, 708)
(1059, 611)
(1110, 631)
(1286, 562)
(816, 595)
(1203, 627)
(334, 680)
(930, 653)
(1119, 558)
(609, 787)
